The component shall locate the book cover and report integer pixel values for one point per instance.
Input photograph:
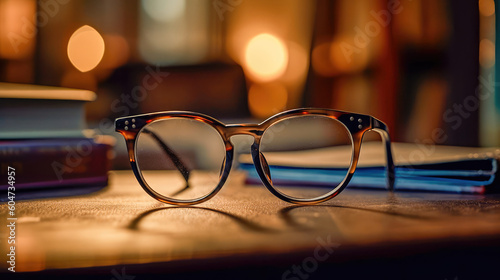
(55, 162)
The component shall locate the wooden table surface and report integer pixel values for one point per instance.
(120, 232)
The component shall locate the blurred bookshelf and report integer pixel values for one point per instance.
(421, 66)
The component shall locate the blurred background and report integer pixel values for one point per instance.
(426, 68)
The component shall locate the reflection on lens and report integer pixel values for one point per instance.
(172, 150)
(320, 144)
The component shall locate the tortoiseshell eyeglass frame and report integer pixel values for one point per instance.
(357, 125)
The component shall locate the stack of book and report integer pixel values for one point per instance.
(43, 138)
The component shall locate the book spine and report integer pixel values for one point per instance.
(45, 164)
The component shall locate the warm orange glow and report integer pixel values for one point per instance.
(85, 48)
(265, 100)
(17, 28)
(266, 57)
(345, 56)
(486, 7)
(76, 79)
(486, 53)
(353, 93)
(30, 253)
(320, 60)
(117, 51)
(298, 62)
(340, 55)
(19, 71)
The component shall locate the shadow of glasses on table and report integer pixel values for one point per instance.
(291, 219)
(243, 222)
(313, 219)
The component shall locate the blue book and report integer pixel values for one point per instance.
(418, 167)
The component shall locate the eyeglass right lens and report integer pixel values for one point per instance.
(308, 156)
(180, 158)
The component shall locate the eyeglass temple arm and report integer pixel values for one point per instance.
(170, 153)
(382, 129)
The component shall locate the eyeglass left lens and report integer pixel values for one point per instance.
(180, 158)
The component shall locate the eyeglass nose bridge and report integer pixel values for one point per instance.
(244, 129)
(256, 131)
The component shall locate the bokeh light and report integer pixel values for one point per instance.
(486, 53)
(266, 57)
(85, 48)
(267, 99)
(486, 7)
(164, 11)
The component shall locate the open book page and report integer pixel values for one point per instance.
(418, 167)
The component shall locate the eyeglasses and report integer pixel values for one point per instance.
(184, 158)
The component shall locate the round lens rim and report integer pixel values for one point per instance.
(329, 195)
(222, 178)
